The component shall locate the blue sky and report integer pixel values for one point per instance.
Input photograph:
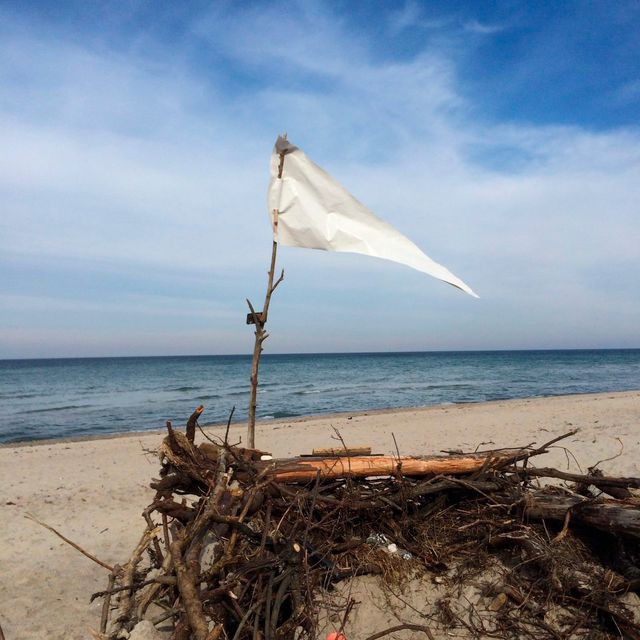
(502, 138)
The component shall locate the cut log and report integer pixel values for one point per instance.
(306, 470)
(614, 516)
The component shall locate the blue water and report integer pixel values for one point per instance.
(93, 396)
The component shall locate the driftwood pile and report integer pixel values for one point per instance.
(240, 547)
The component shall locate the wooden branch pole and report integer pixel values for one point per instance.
(259, 319)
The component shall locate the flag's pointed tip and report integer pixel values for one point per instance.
(464, 288)
(471, 292)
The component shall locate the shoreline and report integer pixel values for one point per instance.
(304, 418)
(94, 490)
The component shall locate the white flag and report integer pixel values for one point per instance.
(310, 209)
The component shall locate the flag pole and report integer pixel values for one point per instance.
(259, 319)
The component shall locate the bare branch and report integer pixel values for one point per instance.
(29, 516)
(278, 281)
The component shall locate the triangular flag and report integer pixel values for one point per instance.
(310, 209)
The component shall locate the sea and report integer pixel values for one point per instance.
(76, 397)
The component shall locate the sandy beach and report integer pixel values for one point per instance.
(94, 491)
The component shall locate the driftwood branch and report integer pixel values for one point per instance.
(595, 480)
(250, 547)
(306, 469)
(192, 422)
(31, 517)
(610, 515)
(189, 592)
(104, 617)
(402, 627)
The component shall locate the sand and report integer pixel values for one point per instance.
(94, 491)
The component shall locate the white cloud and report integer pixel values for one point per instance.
(161, 163)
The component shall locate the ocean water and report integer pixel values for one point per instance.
(93, 396)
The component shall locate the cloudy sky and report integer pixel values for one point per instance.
(503, 138)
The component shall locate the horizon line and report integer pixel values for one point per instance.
(323, 353)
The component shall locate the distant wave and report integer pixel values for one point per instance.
(234, 394)
(183, 389)
(64, 408)
(345, 389)
(19, 396)
(280, 414)
(448, 385)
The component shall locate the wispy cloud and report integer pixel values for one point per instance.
(475, 26)
(411, 16)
